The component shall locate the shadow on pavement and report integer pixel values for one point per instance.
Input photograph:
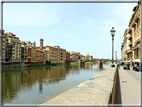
(137, 71)
(118, 99)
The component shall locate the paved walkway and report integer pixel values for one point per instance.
(128, 87)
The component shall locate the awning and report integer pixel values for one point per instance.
(136, 60)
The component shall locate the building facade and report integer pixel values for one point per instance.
(74, 56)
(57, 54)
(24, 52)
(67, 55)
(33, 54)
(11, 48)
(82, 57)
(46, 57)
(134, 27)
(125, 52)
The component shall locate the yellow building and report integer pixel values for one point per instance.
(57, 54)
(41, 55)
(134, 27)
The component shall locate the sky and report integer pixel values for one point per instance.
(79, 27)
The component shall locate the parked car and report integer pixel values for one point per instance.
(122, 63)
(125, 67)
(136, 67)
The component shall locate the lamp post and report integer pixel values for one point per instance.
(116, 57)
(112, 31)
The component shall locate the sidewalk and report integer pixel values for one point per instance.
(128, 87)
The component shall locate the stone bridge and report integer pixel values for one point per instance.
(82, 61)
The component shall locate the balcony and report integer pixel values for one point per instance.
(129, 50)
(16, 60)
(136, 47)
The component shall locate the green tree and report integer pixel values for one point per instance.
(78, 56)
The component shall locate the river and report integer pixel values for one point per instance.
(35, 85)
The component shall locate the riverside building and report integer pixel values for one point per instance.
(24, 52)
(56, 54)
(82, 57)
(11, 48)
(73, 56)
(134, 27)
(67, 55)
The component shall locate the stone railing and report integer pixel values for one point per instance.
(99, 89)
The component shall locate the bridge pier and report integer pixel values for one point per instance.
(81, 62)
(100, 64)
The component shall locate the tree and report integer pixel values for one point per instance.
(78, 56)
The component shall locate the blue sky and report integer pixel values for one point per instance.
(79, 27)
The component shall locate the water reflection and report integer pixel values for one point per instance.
(16, 80)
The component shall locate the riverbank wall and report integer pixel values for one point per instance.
(16, 65)
(98, 90)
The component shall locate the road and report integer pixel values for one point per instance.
(128, 89)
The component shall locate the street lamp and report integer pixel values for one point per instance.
(112, 31)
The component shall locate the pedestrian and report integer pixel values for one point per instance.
(128, 65)
(135, 64)
(118, 66)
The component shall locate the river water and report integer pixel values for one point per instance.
(35, 85)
